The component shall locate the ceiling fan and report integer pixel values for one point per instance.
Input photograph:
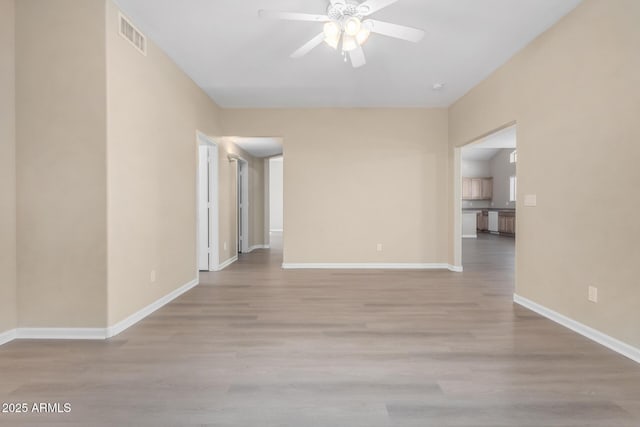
(347, 27)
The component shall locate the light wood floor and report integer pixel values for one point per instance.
(258, 346)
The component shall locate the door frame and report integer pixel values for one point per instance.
(267, 201)
(214, 234)
(457, 195)
(457, 209)
(243, 173)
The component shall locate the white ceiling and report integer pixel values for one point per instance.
(260, 147)
(479, 154)
(489, 146)
(241, 60)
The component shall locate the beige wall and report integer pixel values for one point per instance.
(575, 94)
(103, 132)
(354, 178)
(8, 317)
(61, 179)
(154, 111)
(227, 196)
(256, 203)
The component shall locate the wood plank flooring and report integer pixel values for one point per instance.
(258, 346)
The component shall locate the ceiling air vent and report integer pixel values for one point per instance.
(133, 35)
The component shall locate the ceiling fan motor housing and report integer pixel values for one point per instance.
(339, 11)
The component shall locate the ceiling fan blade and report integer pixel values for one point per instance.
(372, 6)
(393, 30)
(308, 46)
(292, 16)
(357, 57)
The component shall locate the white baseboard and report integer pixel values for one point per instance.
(8, 336)
(254, 247)
(114, 330)
(469, 236)
(369, 266)
(456, 268)
(614, 344)
(94, 333)
(227, 263)
(61, 333)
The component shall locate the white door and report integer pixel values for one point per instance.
(240, 207)
(203, 209)
(493, 222)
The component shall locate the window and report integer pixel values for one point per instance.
(513, 157)
(513, 188)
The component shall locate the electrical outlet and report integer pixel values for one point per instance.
(152, 276)
(593, 294)
(379, 248)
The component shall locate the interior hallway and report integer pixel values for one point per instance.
(254, 345)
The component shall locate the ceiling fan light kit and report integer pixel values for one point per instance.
(352, 26)
(332, 34)
(347, 27)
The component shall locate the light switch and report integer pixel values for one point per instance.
(530, 200)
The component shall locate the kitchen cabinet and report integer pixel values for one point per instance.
(507, 223)
(466, 188)
(469, 225)
(483, 221)
(477, 188)
(504, 222)
(487, 188)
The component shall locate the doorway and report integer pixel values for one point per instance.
(485, 200)
(207, 204)
(276, 201)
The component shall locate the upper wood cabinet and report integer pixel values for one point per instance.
(487, 188)
(477, 188)
(466, 188)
